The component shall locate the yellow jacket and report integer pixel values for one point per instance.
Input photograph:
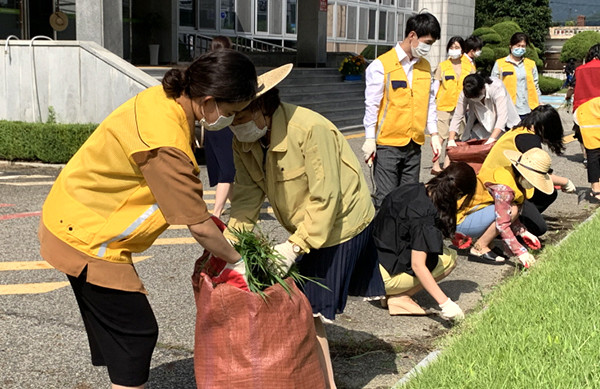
(588, 117)
(311, 178)
(126, 217)
(496, 158)
(403, 110)
(482, 198)
(450, 84)
(509, 78)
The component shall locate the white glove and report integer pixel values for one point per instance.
(369, 149)
(436, 144)
(451, 311)
(451, 143)
(287, 256)
(569, 187)
(526, 260)
(490, 140)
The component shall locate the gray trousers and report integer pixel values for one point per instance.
(395, 166)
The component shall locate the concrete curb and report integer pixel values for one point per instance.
(32, 164)
(432, 356)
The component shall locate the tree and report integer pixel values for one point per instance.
(577, 47)
(535, 16)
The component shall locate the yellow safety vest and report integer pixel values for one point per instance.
(508, 76)
(403, 110)
(482, 198)
(100, 203)
(588, 117)
(450, 84)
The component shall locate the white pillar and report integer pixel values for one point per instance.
(101, 21)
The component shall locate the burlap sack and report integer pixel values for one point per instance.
(244, 341)
(472, 152)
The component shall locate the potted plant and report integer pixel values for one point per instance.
(352, 67)
(154, 23)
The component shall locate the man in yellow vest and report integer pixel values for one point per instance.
(399, 103)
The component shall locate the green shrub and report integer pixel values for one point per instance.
(491, 38)
(483, 31)
(506, 30)
(578, 46)
(45, 142)
(549, 85)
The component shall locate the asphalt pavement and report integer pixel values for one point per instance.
(43, 342)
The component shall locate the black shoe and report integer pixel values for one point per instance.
(490, 258)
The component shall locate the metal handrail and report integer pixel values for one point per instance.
(242, 43)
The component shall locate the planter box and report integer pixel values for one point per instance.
(353, 77)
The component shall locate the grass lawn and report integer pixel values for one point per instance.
(540, 329)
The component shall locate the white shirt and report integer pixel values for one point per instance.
(375, 84)
(495, 111)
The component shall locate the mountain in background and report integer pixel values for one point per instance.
(563, 10)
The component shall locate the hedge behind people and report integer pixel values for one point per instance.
(578, 46)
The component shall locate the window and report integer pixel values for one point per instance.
(341, 21)
(291, 18)
(400, 26)
(330, 17)
(227, 14)
(208, 11)
(372, 23)
(351, 22)
(186, 13)
(275, 22)
(391, 26)
(244, 16)
(416, 5)
(363, 24)
(262, 13)
(382, 24)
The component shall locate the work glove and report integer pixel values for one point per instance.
(369, 149)
(286, 257)
(569, 187)
(526, 260)
(451, 143)
(436, 146)
(490, 140)
(531, 240)
(233, 274)
(451, 311)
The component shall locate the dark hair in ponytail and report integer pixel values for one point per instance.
(454, 182)
(227, 75)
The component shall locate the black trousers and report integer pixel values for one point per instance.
(531, 212)
(593, 165)
(121, 327)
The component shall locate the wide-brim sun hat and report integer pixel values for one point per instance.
(270, 79)
(534, 165)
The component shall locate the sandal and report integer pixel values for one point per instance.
(594, 197)
(488, 257)
(403, 305)
(435, 172)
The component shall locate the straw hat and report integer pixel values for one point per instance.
(534, 165)
(270, 79)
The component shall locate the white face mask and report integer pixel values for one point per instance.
(248, 132)
(477, 53)
(454, 53)
(219, 124)
(524, 183)
(421, 50)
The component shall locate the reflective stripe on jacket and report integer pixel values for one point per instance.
(403, 110)
(100, 203)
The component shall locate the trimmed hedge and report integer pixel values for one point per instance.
(549, 85)
(45, 142)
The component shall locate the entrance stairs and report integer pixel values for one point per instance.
(320, 89)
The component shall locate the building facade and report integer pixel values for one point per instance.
(184, 27)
